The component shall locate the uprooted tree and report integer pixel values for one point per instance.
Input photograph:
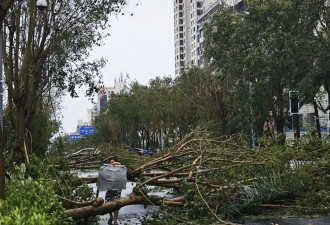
(225, 177)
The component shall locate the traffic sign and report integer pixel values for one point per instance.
(74, 137)
(86, 130)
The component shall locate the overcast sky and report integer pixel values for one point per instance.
(141, 45)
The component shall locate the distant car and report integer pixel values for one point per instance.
(138, 151)
(86, 151)
(149, 152)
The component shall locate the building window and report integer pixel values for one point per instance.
(199, 4)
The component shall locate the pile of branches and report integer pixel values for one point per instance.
(92, 161)
(228, 178)
(97, 158)
(225, 177)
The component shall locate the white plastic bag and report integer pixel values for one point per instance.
(111, 177)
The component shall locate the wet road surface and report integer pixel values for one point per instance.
(131, 215)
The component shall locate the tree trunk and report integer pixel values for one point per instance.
(2, 167)
(280, 122)
(112, 206)
(4, 6)
(19, 141)
(107, 207)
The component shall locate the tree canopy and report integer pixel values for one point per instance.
(267, 50)
(46, 52)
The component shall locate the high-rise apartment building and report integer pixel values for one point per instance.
(196, 9)
(186, 13)
(187, 30)
(190, 19)
(181, 34)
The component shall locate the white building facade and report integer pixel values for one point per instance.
(181, 34)
(104, 96)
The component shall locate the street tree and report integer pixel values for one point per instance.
(204, 97)
(140, 116)
(163, 118)
(4, 7)
(317, 82)
(267, 51)
(50, 48)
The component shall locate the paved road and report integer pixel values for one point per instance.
(292, 221)
(128, 215)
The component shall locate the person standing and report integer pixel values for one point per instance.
(112, 195)
(112, 178)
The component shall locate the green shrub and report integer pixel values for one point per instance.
(30, 201)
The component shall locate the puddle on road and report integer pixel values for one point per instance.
(128, 215)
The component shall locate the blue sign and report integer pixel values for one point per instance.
(87, 130)
(74, 137)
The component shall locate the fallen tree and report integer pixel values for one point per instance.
(224, 176)
(132, 199)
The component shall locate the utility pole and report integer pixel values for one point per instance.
(251, 134)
